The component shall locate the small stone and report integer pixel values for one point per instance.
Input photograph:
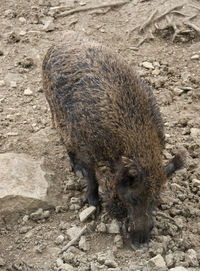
(118, 241)
(195, 57)
(178, 268)
(157, 262)
(25, 218)
(68, 257)
(110, 263)
(22, 33)
(13, 84)
(59, 240)
(84, 244)
(156, 72)
(101, 227)
(22, 20)
(59, 262)
(85, 214)
(178, 91)
(72, 232)
(169, 260)
(147, 65)
(28, 92)
(24, 229)
(113, 227)
(196, 183)
(66, 267)
(2, 262)
(39, 215)
(191, 258)
(2, 83)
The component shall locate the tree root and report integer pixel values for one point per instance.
(77, 10)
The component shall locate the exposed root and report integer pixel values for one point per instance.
(167, 12)
(148, 37)
(193, 26)
(148, 21)
(106, 5)
(193, 6)
(172, 24)
(74, 239)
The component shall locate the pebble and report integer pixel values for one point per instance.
(28, 92)
(156, 72)
(156, 261)
(191, 258)
(59, 262)
(66, 267)
(178, 268)
(2, 83)
(113, 227)
(13, 84)
(169, 260)
(39, 214)
(195, 57)
(195, 183)
(24, 229)
(147, 65)
(85, 214)
(110, 263)
(84, 244)
(2, 262)
(118, 241)
(72, 232)
(101, 227)
(178, 91)
(22, 20)
(59, 240)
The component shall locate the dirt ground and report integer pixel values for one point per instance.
(161, 39)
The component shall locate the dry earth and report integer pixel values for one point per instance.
(161, 39)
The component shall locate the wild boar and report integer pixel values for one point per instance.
(104, 112)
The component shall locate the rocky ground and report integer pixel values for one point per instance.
(41, 201)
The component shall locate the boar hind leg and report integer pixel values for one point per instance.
(83, 170)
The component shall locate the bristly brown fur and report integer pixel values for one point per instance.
(104, 112)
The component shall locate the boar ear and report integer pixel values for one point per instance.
(176, 163)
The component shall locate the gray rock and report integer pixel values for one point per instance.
(101, 227)
(110, 263)
(66, 267)
(169, 260)
(59, 262)
(84, 244)
(178, 268)
(2, 83)
(21, 175)
(118, 241)
(28, 92)
(147, 65)
(39, 215)
(23, 185)
(196, 183)
(24, 229)
(2, 262)
(59, 240)
(195, 57)
(157, 262)
(85, 214)
(191, 258)
(113, 227)
(72, 232)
